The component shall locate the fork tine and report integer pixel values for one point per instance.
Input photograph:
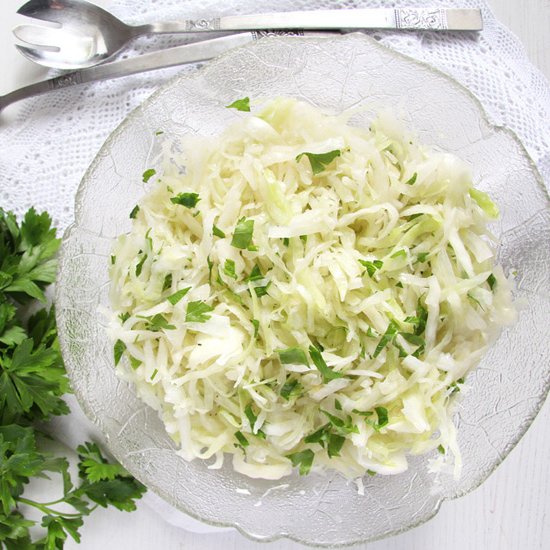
(42, 37)
(35, 54)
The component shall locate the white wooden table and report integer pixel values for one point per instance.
(510, 511)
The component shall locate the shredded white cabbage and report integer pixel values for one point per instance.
(312, 310)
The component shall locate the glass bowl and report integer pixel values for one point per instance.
(335, 73)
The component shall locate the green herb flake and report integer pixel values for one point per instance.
(217, 232)
(371, 473)
(255, 274)
(492, 281)
(327, 373)
(413, 339)
(335, 444)
(148, 174)
(124, 317)
(399, 254)
(412, 179)
(319, 161)
(243, 442)
(134, 212)
(250, 415)
(139, 265)
(262, 290)
(372, 266)
(256, 325)
(286, 241)
(320, 436)
(337, 405)
(341, 426)
(197, 312)
(189, 200)
(157, 322)
(229, 269)
(422, 257)
(303, 459)
(177, 296)
(242, 236)
(134, 363)
(293, 356)
(441, 449)
(387, 338)
(119, 349)
(167, 282)
(382, 414)
(291, 388)
(113, 260)
(240, 104)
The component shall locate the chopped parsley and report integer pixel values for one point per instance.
(229, 269)
(177, 296)
(197, 312)
(134, 212)
(372, 266)
(327, 373)
(262, 290)
(217, 231)
(119, 349)
(256, 325)
(255, 274)
(293, 356)
(240, 104)
(303, 459)
(291, 388)
(492, 281)
(412, 179)
(148, 174)
(387, 338)
(319, 161)
(189, 200)
(242, 237)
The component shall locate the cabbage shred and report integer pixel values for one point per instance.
(307, 294)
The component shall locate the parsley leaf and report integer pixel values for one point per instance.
(387, 338)
(319, 161)
(255, 274)
(492, 281)
(177, 296)
(303, 459)
(262, 290)
(412, 179)
(217, 231)
(197, 312)
(242, 440)
(335, 444)
(148, 174)
(292, 356)
(134, 212)
(240, 104)
(189, 200)
(372, 267)
(119, 349)
(229, 269)
(327, 373)
(242, 236)
(290, 389)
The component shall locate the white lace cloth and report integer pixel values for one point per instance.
(47, 149)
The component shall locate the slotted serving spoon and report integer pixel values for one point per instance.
(84, 35)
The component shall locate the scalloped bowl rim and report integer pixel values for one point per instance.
(74, 227)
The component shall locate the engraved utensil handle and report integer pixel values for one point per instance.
(370, 18)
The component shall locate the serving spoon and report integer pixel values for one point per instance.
(81, 34)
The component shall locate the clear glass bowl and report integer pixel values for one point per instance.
(505, 393)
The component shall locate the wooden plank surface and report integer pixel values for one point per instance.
(511, 511)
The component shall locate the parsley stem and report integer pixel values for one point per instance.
(49, 511)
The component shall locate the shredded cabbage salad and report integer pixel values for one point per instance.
(307, 294)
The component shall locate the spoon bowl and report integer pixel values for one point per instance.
(77, 34)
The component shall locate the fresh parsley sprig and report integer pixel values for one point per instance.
(32, 383)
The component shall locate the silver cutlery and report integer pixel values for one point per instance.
(86, 35)
(190, 53)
